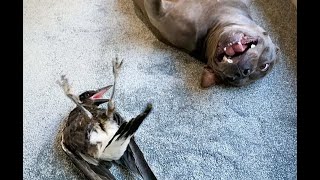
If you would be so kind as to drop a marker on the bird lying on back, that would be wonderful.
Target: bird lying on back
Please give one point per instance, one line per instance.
(96, 137)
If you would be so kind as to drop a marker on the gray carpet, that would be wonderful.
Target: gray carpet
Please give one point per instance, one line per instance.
(192, 133)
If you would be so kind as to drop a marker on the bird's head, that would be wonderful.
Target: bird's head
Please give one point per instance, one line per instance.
(94, 97)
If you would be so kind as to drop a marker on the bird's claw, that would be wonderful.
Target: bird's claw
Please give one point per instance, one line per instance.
(64, 84)
(116, 65)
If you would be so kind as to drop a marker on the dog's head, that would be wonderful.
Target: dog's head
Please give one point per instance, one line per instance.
(238, 55)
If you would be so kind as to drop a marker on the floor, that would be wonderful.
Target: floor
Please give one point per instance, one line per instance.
(192, 133)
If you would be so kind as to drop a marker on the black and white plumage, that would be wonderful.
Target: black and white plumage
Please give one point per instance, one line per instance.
(95, 137)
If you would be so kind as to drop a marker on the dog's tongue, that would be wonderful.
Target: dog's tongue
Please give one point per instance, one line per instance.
(235, 48)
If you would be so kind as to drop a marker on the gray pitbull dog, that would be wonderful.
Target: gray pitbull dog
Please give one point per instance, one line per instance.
(221, 33)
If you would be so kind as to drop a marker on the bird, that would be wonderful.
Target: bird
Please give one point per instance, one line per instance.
(95, 138)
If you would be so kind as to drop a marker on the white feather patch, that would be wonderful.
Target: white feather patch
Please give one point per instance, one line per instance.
(101, 138)
(116, 149)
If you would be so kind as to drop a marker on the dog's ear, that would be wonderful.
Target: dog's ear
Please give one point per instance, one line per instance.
(208, 77)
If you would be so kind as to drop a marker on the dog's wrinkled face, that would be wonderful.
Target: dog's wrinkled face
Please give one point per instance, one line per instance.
(242, 55)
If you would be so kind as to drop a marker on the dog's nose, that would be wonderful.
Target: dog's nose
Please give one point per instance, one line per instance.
(246, 72)
(239, 74)
(234, 77)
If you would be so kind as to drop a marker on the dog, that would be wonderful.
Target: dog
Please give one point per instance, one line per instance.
(221, 33)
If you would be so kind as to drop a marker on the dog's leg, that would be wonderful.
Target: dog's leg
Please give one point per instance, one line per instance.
(139, 9)
(154, 7)
(158, 8)
(143, 16)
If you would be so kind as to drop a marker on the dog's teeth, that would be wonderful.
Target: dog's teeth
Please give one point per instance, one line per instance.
(229, 60)
(252, 46)
(225, 48)
(225, 58)
(239, 43)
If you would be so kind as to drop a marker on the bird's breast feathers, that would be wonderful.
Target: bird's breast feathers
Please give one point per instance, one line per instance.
(101, 138)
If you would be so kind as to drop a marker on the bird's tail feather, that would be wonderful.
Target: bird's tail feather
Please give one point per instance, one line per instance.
(134, 160)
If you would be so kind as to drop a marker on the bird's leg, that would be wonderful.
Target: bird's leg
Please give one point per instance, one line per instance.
(64, 83)
(116, 68)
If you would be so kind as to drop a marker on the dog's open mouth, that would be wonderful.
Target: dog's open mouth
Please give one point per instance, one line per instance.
(227, 51)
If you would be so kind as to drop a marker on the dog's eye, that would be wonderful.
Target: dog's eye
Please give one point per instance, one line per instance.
(264, 67)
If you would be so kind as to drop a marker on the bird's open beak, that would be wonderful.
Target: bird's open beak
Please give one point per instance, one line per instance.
(97, 98)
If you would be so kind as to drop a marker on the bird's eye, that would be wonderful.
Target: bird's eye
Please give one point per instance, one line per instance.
(264, 67)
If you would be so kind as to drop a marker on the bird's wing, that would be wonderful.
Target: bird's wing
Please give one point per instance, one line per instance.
(133, 157)
(127, 129)
(92, 172)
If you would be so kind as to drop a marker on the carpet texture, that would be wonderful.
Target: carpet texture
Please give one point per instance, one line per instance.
(192, 133)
